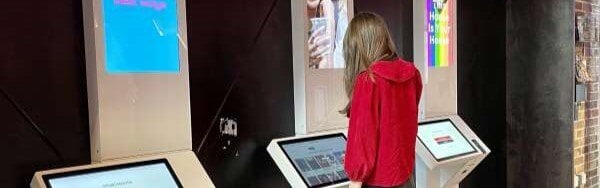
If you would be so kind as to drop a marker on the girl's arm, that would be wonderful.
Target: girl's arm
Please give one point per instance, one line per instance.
(419, 86)
(363, 132)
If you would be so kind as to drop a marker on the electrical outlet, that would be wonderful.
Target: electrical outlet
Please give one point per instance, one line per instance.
(228, 139)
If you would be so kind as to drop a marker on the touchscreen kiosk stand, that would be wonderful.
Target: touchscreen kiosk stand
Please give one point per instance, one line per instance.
(447, 151)
(315, 160)
(170, 170)
(138, 99)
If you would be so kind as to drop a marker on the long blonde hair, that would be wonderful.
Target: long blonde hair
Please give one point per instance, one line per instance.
(367, 41)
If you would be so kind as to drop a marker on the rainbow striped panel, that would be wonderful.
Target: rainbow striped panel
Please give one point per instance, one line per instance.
(439, 33)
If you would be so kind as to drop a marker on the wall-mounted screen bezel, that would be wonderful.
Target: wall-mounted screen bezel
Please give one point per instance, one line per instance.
(308, 139)
(49, 177)
(473, 149)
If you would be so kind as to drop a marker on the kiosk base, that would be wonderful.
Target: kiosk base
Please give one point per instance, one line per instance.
(425, 178)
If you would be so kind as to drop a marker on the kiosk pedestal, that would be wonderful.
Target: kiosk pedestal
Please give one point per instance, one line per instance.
(447, 151)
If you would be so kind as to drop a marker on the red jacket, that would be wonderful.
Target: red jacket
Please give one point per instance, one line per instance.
(383, 124)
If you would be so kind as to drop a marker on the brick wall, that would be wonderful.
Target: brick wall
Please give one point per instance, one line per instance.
(586, 124)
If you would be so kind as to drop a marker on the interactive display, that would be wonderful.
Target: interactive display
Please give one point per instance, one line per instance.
(141, 36)
(148, 174)
(319, 160)
(439, 33)
(443, 140)
(328, 21)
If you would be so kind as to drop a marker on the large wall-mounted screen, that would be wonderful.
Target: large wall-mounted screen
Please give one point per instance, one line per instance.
(155, 173)
(444, 140)
(318, 160)
(328, 21)
(141, 36)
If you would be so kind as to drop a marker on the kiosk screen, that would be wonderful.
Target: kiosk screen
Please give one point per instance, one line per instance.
(155, 173)
(444, 140)
(319, 160)
(141, 36)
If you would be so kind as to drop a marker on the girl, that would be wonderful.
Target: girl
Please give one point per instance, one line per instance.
(384, 93)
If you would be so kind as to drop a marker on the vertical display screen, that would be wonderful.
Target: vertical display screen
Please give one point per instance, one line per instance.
(319, 160)
(141, 36)
(440, 36)
(326, 28)
(444, 140)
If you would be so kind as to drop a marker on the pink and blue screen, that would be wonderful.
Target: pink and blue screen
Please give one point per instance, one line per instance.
(141, 36)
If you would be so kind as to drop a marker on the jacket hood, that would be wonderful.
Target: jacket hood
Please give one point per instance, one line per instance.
(396, 70)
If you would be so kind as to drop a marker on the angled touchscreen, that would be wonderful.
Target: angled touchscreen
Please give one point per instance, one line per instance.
(141, 36)
(149, 174)
(444, 140)
(319, 160)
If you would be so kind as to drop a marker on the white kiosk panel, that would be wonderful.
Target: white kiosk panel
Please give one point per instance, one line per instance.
(312, 160)
(137, 77)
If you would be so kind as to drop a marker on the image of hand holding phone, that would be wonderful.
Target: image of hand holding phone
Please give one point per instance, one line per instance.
(328, 20)
(319, 44)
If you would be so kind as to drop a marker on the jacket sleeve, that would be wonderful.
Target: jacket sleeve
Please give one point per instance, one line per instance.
(363, 131)
(418, 86)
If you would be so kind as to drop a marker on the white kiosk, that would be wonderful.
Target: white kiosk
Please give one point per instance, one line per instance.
(447, 151)
(315, 160)
(138, 99)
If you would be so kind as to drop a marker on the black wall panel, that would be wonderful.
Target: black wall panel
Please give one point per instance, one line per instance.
(399, 18)
(481, 83)
(42, 68)
(539, 89)
(241, 57)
